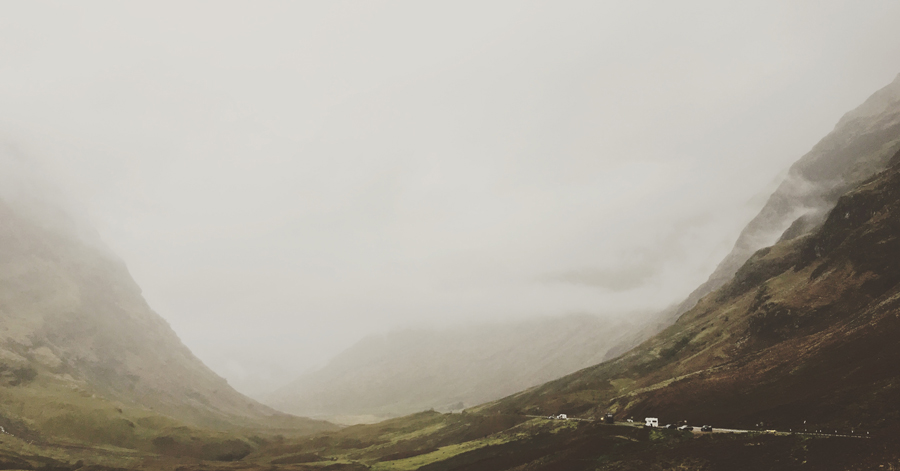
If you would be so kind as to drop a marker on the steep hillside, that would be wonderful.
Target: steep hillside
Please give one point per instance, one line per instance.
(410, 371)
(83, 356)
(858, 147)
(805, 331)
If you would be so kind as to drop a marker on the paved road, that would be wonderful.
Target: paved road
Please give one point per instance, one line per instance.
(697, 431)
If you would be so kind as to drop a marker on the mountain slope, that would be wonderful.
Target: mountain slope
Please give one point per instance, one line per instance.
(80, 349)
(858, 147)
(805, 331)
(410, 371)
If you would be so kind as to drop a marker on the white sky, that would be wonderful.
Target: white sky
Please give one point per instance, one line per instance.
(284, 178)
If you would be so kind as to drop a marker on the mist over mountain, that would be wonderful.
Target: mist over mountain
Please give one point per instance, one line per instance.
(861, 144)
(83, 356)
(795, 356)
(409, 371)
(804, 335)
(200, 202)
(803, 330)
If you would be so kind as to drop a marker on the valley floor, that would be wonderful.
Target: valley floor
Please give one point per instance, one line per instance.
(445, 442)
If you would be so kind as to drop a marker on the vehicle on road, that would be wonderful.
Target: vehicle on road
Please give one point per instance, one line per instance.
(651, 422)
(686, 428)
(706, 428)
(609, 419)
(671, 426)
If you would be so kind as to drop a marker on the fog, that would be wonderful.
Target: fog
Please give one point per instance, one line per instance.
(284, 178)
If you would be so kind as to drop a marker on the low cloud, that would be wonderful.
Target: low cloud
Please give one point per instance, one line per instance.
(616, 280)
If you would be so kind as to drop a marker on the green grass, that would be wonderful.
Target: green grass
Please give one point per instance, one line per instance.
(441, 454)
(521, 431)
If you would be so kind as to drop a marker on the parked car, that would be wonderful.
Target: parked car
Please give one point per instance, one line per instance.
(686, 428)
(671, 426)
(706, 428)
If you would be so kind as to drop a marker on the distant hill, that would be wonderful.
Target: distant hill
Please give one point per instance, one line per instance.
(83, 356)
(414, 370)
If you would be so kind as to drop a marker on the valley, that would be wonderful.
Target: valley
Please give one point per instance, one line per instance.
(431, 440)
(440, 239)
(801, 341)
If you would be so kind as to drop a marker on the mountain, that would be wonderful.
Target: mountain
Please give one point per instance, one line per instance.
(83, 357)
(859, 146)
(802, 339)
(798, 335)
(803, 336)
(409, 371)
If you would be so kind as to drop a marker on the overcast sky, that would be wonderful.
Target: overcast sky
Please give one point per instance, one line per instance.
(285, 178)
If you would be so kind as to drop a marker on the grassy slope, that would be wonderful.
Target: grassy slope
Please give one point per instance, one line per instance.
(860, 145)
(84, 360)
(807, 330)
(446, 442)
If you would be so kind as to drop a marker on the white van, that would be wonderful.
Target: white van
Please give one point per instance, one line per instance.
(651, 422)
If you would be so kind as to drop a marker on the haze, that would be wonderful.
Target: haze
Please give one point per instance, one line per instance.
(283, 179)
